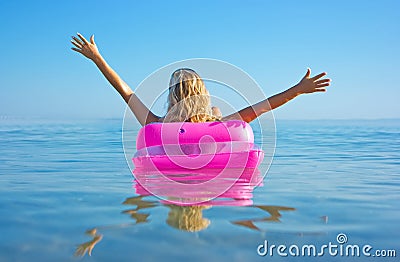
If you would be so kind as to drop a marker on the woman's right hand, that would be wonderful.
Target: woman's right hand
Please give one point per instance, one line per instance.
(86, 48)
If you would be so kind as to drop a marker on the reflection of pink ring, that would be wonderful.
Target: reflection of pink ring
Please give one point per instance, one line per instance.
(239, 193)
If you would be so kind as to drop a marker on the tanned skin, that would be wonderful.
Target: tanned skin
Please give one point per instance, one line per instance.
(306, 85)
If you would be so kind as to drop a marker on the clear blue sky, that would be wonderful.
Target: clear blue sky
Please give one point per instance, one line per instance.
(356, 42)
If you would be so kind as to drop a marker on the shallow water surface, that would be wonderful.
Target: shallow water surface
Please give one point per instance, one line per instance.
(66, 189)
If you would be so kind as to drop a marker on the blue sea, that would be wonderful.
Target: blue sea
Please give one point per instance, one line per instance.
(67, 194)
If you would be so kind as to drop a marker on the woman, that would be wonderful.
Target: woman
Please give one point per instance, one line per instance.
(188, 98)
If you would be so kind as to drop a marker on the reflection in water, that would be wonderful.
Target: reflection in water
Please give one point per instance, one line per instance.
(140, 204)
(274, 212)
(88, 246)
(186, 206)
(187, 218)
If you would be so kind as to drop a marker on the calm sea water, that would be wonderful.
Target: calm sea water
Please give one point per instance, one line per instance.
(66, 187)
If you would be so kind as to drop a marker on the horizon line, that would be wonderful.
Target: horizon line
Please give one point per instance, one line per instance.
(80, 118)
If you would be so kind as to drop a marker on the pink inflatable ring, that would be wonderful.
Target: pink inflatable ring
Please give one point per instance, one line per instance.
(185, 145)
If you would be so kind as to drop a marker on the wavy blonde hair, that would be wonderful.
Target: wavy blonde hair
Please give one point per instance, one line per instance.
(188, 98)
(187, 218)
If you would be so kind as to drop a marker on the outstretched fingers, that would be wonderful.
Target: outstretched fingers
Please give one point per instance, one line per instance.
(308, 73)
(323, 85)
(318, 76)
(76, 41)
(82, 38)
(76, 44)
(92, 40)
(82, 46)
(326, 80)
(317, 83)
(323, 82)
(76, 50)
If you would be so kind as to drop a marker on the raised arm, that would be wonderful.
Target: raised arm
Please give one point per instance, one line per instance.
(307, 85)
(90, 50)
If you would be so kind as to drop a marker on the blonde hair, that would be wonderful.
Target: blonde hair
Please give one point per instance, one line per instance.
(188, 98)
(187, 218)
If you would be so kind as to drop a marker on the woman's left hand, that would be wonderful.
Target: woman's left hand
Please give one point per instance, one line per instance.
(313, 84)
